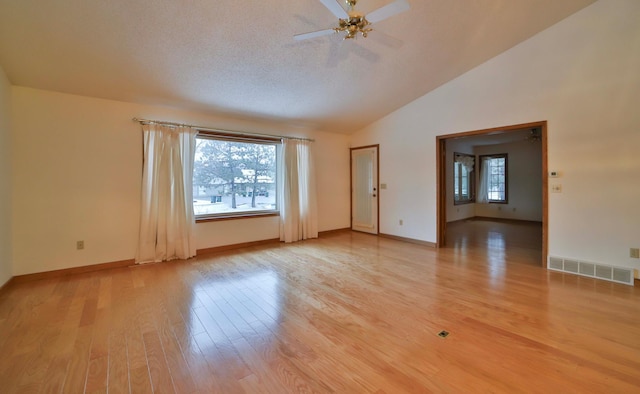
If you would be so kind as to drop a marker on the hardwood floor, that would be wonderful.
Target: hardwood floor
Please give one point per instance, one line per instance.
(347, 313)
(500, 240)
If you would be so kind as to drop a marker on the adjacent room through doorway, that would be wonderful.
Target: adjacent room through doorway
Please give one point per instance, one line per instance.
(493, 194)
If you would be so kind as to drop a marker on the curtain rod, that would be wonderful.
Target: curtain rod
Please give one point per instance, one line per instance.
(203, 128)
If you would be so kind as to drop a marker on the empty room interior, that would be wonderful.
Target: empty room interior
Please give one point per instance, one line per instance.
(512, 214)
(373, 196)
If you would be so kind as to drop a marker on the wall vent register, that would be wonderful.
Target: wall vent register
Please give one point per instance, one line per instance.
(592, 270)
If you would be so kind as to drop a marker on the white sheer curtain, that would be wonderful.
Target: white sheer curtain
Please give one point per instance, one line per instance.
(166, 218)
(298, 208)
(483, 186)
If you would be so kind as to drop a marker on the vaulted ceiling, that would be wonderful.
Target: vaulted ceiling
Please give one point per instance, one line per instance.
(239, 58)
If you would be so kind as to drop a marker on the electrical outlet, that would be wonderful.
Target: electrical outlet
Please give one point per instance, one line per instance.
(634, 253)
(556, 188)
(80, 245)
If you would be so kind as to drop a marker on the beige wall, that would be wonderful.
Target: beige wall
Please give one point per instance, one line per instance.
(581, 75)
(5, 180)
(77, 174)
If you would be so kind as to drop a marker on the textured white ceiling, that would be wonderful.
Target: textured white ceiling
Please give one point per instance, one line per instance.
(239, 57)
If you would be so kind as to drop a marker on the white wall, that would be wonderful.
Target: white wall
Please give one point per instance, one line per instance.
(77, 172)
(5, 180)
(581, 75)
(524, 172)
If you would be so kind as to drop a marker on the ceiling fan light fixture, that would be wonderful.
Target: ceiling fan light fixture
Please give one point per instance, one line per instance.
(353, 22)
(356, 23)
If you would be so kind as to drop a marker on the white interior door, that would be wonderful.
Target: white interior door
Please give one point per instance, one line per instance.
(364, 189)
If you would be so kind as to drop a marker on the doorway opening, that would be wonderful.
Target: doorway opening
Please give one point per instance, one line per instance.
(494, 203)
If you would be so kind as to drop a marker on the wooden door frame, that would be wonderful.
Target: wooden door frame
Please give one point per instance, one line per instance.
(441, 153)
(377, 146)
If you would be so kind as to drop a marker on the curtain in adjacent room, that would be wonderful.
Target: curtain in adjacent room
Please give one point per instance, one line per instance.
(166, 220)
(298, 208)
(483, 186)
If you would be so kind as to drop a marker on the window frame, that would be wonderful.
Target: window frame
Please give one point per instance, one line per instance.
(504, 156)
(250, 139)
(471, 184)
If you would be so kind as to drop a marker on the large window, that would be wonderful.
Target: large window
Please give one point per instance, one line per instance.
(494, 177)
(234, 176)
(463, 178)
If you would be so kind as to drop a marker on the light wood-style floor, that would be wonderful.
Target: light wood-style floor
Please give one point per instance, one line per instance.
(347, 313)
(498, 241)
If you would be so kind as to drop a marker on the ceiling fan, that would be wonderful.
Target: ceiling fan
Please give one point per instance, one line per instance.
(354, 22)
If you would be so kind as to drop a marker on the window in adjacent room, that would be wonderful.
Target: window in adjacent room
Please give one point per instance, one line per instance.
(463, 178)
(234, 176)
(493, 179)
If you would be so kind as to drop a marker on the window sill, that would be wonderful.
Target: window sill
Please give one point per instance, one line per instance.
(234, 216)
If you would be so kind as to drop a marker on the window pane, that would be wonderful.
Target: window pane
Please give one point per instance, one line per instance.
(456, 179)
(496, 187)
(233, 177)
(463, 177)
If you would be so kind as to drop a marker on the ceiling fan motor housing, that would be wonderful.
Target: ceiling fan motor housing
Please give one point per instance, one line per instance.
(356, 23)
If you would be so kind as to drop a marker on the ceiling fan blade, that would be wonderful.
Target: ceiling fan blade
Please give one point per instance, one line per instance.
(313, 34)
(335, 8)
(388, 11)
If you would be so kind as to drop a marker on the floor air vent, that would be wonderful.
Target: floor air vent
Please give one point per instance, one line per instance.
(592, 270)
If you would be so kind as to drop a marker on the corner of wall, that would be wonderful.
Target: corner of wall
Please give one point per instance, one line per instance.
(6, 250)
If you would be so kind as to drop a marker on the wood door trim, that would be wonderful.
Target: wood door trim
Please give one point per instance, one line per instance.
(377, 146)
(441, 194)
